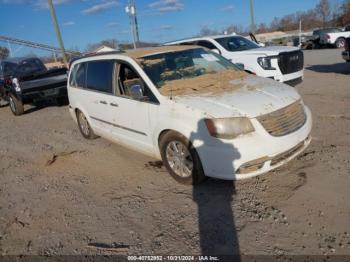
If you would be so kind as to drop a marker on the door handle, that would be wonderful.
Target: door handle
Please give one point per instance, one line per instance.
(114, 104)
(103, 102)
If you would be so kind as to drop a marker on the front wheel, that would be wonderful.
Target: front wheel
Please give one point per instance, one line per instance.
(340, 43)
(16, 105)
(84, 126)
(181, 159)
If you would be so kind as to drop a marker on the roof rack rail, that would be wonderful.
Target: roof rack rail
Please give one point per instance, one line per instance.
(96, 54)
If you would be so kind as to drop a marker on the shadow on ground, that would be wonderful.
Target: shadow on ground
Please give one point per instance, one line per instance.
(214, 198)
(47, 103)
(338, 68)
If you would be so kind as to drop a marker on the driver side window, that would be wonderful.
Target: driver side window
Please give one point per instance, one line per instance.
(131, 85)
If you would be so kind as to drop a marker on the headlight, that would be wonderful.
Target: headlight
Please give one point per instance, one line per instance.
(265, 63)
(16, 85)
(229, 128)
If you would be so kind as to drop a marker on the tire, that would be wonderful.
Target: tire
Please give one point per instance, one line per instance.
(16, 105)
(185, 167)
(84, 126)
(340, 43)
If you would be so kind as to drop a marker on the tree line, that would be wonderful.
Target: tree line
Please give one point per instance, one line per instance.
(326, 13)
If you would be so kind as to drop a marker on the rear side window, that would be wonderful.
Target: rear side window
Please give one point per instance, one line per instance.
(9, 69)
(78, 76)
(206, 44)
(236, 43)
(30, 66)
(99, 76)
(187, 43)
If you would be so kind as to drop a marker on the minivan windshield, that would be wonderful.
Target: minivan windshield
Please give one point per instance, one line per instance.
(236, 43)
(189, 70)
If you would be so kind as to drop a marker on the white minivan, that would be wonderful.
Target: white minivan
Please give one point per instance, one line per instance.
(281, 63)
(190, 107)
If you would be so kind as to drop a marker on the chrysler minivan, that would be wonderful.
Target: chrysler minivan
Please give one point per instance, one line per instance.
(190, 107)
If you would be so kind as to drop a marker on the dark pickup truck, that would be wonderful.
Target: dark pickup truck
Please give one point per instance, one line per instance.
(27, 80)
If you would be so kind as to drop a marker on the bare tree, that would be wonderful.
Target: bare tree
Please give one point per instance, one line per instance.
(234, 29)
(112, 43)
(346, 13)
(206, 31)
(4, 52)
(324, 9)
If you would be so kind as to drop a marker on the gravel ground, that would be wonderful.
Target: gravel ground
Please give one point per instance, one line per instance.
(61, 194)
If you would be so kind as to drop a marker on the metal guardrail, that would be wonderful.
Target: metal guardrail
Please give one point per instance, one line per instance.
(36, 45)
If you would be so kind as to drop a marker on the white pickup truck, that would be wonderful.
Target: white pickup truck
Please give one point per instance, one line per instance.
(281, 63)
(337, 38)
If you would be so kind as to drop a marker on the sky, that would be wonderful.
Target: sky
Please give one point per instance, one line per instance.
(90, 21)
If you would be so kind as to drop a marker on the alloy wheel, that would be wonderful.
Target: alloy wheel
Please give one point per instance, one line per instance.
(179, 159)
(84, 124)
(12, 104)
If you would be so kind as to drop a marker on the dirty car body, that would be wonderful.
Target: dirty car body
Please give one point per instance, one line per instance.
(239, 125)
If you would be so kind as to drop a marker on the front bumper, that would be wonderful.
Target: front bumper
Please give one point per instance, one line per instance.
(226, 158)
(290, 79)
(346, 55)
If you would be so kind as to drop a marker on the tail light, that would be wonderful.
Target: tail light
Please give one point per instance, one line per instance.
(8, 82)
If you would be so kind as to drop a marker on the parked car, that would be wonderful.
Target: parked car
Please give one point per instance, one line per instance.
(26, 80)
(314, 41)
(335, 38)
(281, 63)
(346, 52)
(190, 107)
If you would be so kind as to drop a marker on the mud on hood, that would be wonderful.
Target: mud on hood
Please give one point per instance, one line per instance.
(256, 96)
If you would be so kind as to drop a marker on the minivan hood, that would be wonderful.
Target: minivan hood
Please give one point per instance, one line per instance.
(256, 96)
(269, 50)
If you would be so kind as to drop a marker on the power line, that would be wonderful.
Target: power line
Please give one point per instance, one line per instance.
(17, 41)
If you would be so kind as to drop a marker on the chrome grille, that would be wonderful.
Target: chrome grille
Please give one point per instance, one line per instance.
(285, 120)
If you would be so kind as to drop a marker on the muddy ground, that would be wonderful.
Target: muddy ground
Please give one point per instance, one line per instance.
(61, 194)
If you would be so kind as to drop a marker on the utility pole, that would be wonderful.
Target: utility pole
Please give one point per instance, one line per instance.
(300, 33)
(58, 32)
(130, 9)
(10, 49)
(252, 20)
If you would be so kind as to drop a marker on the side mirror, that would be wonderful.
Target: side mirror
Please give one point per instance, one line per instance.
(136, 92)
(216, 51)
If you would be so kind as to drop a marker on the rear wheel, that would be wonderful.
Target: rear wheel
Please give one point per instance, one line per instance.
(340, 43)
(84, 126)
(16, 105)
(181, 159)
